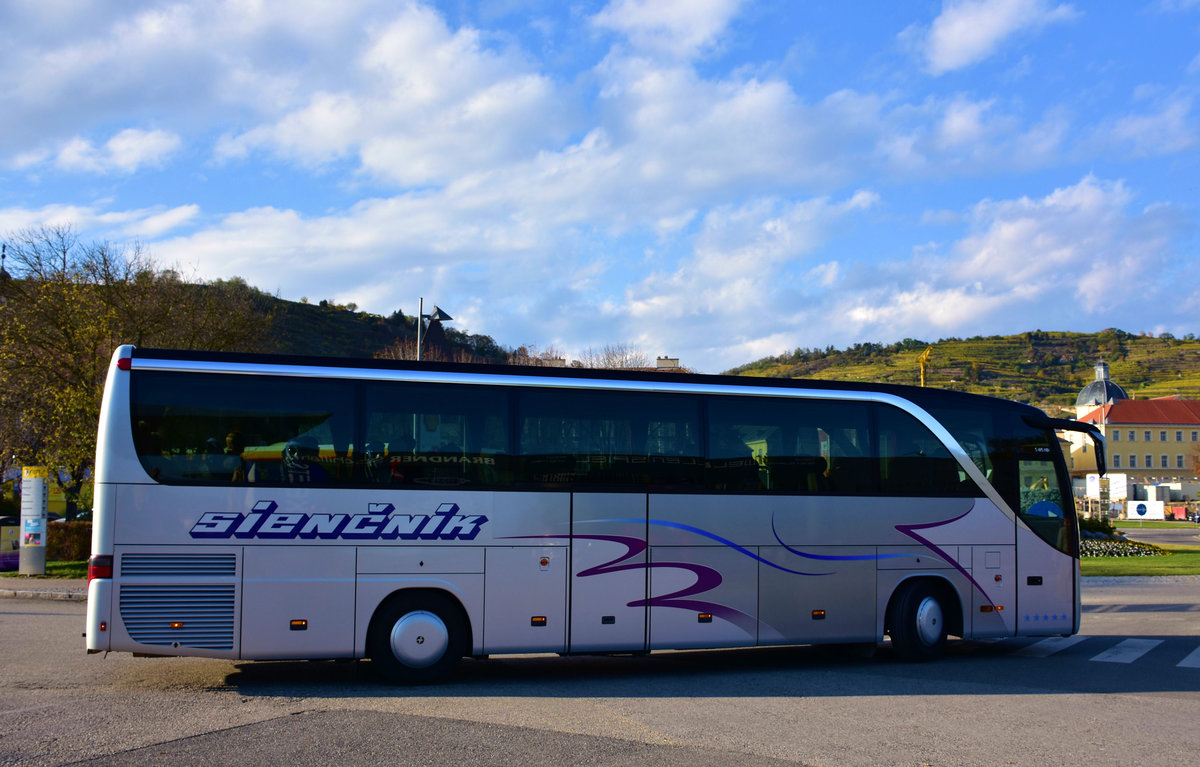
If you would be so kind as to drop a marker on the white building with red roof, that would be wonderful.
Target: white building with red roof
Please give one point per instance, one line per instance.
(1150, 440)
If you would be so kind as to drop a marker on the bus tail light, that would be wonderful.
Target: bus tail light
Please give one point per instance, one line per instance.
(124, 363)
(100, 566)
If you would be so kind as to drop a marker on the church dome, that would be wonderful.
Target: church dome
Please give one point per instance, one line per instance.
(1102, 391)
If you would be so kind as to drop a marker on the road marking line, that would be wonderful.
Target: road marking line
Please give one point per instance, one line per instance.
(1192, 660)
(1049, 646)
(1128, 651)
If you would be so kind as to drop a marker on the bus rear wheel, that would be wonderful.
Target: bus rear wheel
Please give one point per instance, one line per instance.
(917, 622)
(417, 638)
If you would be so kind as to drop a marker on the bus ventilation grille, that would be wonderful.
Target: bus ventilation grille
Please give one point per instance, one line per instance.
(187, 565)
(200, 616)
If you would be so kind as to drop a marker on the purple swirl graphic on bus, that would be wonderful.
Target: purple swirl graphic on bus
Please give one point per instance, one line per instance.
(910, 531)
(707, 578)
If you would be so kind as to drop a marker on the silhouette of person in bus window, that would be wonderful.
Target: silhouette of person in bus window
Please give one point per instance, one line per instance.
(375, 463)
(300, 462)
(401, 468)
(233, 465)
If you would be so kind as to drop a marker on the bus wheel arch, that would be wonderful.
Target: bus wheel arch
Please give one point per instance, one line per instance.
(922, 612)
(418, 636)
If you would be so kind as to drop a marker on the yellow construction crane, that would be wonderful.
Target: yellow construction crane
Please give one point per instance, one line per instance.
(923, 361)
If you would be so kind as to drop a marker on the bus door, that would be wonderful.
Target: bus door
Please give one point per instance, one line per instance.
(1046, 541)
(608, 572)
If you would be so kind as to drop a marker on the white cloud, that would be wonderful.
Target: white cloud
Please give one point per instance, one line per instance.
(732, 285)
(680, 28)
(962, 122)
(1171, 129)
(98, 221)
(969, 31)
(1072, 254)
(158, 224)
(421, 104)
(126, 152)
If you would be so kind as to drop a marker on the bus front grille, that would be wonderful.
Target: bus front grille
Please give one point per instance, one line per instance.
(191, 565)
(198, 616)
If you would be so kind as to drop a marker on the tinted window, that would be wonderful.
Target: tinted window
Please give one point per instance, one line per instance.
(436, 435)
(912, 461)
(775, 444)
(220, 428)
(608, 440)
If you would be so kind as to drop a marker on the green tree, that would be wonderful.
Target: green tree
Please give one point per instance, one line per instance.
(66, 307)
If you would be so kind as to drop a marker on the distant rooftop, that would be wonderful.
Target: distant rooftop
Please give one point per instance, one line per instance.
(1167, 410)
(1102, 391)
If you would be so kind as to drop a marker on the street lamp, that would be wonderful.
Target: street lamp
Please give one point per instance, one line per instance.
(438, 315)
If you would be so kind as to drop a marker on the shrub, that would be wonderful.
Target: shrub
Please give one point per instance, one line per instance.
(1097, 525)
(68, 541)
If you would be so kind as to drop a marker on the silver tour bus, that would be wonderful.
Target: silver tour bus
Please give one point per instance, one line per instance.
(267, 507)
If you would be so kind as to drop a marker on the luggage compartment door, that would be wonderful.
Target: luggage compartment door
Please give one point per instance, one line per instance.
(608, 572)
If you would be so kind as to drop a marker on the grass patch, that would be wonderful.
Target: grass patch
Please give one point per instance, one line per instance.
(1127, 524)
(55, 570)
(1184, 560)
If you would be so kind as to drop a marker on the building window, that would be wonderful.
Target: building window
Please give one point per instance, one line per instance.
(1116, 435)
(1162, 462)
(1162, 436)
(1146, 436)
(1179, 462)
(1116, 461)
(1149, 462)
(1179, 436)
(1132, 461)
(1132, 435)
(1195, 436)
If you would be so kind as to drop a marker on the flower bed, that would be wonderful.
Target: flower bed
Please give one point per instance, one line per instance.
(1119, 548)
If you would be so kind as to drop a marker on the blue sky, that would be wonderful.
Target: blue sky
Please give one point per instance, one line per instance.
(716, 180)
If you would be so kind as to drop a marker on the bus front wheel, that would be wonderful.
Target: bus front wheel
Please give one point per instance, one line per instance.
(417, 638)
(917, 622)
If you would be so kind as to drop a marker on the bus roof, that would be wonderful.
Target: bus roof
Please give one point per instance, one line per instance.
(916, 394)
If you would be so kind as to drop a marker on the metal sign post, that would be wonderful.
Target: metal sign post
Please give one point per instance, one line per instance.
(35, 505)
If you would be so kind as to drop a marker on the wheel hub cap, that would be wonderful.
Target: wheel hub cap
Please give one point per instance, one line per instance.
(419, 639)
(929, 621)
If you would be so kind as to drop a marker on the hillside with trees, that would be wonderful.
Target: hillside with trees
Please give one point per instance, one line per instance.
(1046, 368)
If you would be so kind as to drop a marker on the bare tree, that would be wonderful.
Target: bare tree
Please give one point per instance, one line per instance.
(614, 357)
(530, 356)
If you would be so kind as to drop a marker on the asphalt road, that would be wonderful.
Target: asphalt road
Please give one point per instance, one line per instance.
(1166, 536)
(1126, 691)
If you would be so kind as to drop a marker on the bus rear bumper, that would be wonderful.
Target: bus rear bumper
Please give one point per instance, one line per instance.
(99, 618)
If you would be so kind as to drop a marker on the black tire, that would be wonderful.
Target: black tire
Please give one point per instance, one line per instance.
(917, 621)
(417, 637)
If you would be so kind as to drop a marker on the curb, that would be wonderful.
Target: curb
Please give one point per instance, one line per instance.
(61, 589)
(62, 596)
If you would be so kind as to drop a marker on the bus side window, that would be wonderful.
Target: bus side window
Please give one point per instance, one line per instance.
(608, 440)
(913, 461)
(435, 435)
